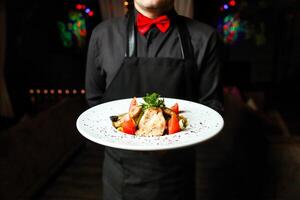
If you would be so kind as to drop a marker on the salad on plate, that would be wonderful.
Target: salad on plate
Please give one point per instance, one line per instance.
(151, 118)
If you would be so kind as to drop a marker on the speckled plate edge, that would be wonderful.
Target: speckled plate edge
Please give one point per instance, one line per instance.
(95, 125)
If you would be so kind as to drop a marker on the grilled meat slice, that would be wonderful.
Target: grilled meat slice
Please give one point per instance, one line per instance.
(152, 123)
(135, 111)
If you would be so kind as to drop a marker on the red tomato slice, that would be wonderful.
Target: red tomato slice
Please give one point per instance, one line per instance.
(129, 126)
(173, 124)
(175, 108)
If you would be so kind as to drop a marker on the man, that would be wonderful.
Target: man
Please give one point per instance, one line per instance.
(152, 50)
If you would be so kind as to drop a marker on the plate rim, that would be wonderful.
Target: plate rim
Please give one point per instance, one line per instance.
(150, 147)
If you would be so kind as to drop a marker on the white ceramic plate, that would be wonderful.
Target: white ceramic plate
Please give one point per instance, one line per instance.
(95, 125)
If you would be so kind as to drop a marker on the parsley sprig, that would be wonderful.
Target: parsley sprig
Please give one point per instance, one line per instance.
(152, 100)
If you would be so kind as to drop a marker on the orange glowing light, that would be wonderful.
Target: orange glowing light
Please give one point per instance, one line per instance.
(74, 91)
(45, 91)
(38, 91)
(67, 91)
(126, 3)
(31, 91)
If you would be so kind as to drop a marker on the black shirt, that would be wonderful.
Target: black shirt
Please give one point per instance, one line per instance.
(107, 49)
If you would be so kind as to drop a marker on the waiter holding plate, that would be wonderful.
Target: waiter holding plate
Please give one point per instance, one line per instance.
(152, 49)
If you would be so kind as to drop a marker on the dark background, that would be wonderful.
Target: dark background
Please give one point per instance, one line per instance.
(36, 57)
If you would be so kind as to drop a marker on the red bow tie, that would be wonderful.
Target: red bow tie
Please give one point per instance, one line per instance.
(145, 23)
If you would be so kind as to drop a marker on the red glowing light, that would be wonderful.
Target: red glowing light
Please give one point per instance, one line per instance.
(52, 91)
(59, 91)
(91, 13)
(74, 91)
(82, 91)
(45, 91)
(78, 6)
(232, 3)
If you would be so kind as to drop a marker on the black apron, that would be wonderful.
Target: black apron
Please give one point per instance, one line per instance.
(133, 175)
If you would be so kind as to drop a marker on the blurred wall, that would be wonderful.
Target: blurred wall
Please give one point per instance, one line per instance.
(5, 104)
(116, 8)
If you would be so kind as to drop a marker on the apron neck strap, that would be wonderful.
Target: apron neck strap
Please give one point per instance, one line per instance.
(183, 35)
(131, 35)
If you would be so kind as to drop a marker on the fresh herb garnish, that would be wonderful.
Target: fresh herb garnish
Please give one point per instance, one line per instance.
(152, 100)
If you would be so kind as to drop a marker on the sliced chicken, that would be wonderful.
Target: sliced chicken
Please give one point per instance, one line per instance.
(152, 123)
(135, 111)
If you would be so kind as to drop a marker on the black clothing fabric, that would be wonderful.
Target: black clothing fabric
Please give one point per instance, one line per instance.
(107, 48)
(161, 63)
(151, 176)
